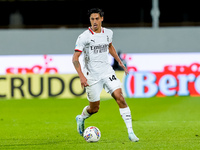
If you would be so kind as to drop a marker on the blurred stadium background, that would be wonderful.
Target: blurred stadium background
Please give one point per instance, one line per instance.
(158, 40)
(38, 37)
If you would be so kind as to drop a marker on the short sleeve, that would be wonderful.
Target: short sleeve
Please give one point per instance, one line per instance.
(80, 44)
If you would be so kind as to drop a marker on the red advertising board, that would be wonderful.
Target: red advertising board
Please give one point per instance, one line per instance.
(180, 78)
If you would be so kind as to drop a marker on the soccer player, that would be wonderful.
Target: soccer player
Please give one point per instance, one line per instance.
(96, 43)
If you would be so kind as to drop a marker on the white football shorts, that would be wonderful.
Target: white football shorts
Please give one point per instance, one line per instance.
(110, 84)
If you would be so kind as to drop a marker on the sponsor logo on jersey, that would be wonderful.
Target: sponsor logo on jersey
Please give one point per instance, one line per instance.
(99, 48)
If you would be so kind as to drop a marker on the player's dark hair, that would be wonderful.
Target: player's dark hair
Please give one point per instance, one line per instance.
(96, 10)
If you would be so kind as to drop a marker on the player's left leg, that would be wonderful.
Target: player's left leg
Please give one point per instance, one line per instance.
(113, 86)
(125, 113)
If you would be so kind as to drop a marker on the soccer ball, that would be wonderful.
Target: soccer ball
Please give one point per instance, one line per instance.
(92, 134)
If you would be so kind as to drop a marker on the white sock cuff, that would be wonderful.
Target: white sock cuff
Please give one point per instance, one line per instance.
(125, 110)
(85, 113)
(85, 110)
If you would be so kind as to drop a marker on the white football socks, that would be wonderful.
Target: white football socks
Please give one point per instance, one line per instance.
(85, 114)
(126, 115)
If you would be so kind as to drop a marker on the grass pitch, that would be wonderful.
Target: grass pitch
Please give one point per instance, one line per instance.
(160, 123)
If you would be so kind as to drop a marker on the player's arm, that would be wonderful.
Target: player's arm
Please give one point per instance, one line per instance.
(113, 52)
(77, 66)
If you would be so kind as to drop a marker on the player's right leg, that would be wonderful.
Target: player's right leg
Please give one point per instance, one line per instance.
(86, 113)
(93, 95)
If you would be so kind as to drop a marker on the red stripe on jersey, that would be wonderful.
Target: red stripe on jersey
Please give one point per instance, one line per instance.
(78, 50)
(91, 30)
(102, 30)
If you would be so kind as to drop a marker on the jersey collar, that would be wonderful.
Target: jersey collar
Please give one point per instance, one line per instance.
(90, 29)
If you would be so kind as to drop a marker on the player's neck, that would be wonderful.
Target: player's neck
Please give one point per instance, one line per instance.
(96, 31)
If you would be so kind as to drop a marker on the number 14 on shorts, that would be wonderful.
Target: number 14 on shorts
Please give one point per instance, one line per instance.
(112, 78)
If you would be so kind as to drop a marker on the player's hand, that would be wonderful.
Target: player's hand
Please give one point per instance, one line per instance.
(125, 69)
(83, 81)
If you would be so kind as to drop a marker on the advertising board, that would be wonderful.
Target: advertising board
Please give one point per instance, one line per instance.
(44, 86)
(166, 74)
(153, 74)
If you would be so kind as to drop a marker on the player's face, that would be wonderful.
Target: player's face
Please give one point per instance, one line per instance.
(95, 20)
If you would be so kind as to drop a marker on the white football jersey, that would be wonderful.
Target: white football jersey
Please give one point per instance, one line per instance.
(95, 49)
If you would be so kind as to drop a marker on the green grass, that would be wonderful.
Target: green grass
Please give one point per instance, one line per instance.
(160, 123)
